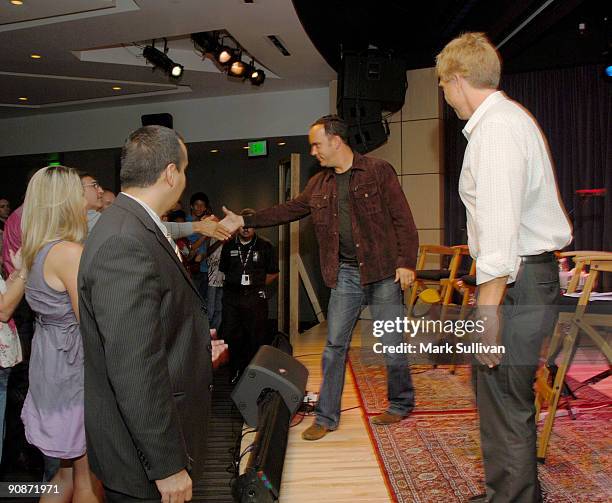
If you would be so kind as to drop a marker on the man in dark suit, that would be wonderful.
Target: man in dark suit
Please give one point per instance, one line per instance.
(148, 353)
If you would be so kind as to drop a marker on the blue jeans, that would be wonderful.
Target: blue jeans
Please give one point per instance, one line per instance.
(345, 303)
(215, 306)
(4, 376)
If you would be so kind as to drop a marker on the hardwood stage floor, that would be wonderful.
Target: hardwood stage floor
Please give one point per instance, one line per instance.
(343, 467)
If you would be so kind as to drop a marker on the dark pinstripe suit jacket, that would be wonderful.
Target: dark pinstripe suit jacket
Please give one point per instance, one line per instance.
(147, 354)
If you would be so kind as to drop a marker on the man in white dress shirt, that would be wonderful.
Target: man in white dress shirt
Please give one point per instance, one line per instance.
(515, 221)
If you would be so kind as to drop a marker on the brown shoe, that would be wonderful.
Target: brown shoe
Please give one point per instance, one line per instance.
(387, 418)
(315, 432)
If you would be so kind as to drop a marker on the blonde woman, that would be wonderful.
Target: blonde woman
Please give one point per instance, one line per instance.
(53, 227)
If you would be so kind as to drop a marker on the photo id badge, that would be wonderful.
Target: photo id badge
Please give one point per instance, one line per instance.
(246, 280)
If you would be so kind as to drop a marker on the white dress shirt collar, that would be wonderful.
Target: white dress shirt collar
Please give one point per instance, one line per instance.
(489, 101)
(151, 213)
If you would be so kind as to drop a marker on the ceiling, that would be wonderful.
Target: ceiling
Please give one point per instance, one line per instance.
(531, 34)
(87, 49)
(88, 46)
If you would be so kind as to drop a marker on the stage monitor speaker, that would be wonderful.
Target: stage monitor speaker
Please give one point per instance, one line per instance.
(157, 120)
(270, 369)
(373, 76)
(367, 129)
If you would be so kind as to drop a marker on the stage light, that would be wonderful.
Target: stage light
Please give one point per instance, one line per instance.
(238, 69)
(160, 60)
(176, 71)
(608, 71)
(23, 98)
(224, 55)
(208, 43)
(257, 77)
(17, 2)
(116, 88)
(35, 56)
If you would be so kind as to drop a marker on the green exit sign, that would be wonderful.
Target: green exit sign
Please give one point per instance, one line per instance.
(258, 148)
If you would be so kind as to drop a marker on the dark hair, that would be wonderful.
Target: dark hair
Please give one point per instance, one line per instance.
(146, 153)
(199, 196)
(333, 125)
(173, 215)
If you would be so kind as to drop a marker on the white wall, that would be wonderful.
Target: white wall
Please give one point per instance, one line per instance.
(285, 113)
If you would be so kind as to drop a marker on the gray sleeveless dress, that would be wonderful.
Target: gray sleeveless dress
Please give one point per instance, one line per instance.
(53, 410)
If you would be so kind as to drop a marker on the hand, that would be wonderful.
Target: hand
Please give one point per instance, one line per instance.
(175, 488)
(218, 347)
(405, 277)
(211, 228)
(232, 222)
(491, 335)
(16, 259)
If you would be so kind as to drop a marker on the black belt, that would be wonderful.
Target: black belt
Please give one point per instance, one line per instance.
(542, 258)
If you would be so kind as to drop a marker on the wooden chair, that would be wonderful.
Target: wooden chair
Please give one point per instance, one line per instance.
(442, 278)
(564, 344)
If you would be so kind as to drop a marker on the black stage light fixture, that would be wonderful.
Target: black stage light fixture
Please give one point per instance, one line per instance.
(160, 60)
(224, 55)
(257, 76)
(207, 42)
(238, 69)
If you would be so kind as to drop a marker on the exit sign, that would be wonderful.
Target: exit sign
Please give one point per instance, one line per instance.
(258, 148)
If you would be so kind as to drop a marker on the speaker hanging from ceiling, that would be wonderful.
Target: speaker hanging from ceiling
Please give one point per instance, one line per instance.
(370, 83)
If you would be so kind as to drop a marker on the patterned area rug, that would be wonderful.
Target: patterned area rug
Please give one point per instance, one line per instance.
(437, 390)
(436, 458)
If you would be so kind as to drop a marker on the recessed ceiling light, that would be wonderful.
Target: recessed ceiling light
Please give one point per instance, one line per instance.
(281, 143)
(35, 56)
(214, 150)
(116, 88)
(23, 98)
(17, 2)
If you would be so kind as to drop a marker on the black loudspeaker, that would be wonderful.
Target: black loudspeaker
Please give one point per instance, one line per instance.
(373, 76)
(368, 83)
(270, 369)
(367, 129)
(157, 120)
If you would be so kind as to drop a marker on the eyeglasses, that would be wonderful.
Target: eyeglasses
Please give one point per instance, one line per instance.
(95, 185)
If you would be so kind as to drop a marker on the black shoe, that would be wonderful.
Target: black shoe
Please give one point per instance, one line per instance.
(234, 378)
(481, 498)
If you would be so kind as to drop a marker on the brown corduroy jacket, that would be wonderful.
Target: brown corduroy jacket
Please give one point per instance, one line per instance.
(383, 228)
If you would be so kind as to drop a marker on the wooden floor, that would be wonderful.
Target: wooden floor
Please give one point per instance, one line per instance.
(342, 466)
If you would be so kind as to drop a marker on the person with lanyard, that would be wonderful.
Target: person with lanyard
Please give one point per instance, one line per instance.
(249, 263)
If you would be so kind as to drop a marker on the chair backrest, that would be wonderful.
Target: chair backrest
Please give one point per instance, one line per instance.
(442, 251)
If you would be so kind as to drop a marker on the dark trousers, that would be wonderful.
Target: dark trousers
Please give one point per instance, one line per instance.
(244, 325)
(17, 451)
(505, 394)
(200, 280)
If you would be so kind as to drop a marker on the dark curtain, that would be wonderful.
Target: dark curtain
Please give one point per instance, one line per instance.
(574, 109)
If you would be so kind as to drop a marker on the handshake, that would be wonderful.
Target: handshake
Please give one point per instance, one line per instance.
(221, 230)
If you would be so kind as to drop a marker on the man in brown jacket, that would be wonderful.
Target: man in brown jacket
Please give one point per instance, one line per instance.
(368, 246)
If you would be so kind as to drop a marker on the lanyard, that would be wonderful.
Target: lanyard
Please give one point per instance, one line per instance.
(245, 261)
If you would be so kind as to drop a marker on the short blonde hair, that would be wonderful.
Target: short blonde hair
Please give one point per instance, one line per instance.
(472, 56)
(54, 209)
